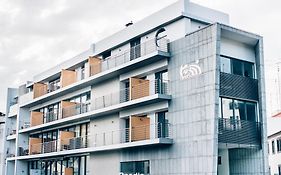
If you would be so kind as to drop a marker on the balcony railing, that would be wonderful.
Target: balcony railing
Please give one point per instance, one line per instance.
(148, 88)
(75, 110)
(129, 55)
(75, 143)
(239, 132)
(126, 135)
(41, 148)
(139, 133)
(51, 116)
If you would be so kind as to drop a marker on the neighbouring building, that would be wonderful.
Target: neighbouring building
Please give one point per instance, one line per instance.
(2, 136)
(179, 92)
(274, 144)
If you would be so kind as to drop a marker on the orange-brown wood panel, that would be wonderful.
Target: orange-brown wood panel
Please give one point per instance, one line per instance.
(39, 89)
(95, 65)
(67, 77)
(36, 118)
(140, 128)
(68, 171)
(35, 145)
(68, 108)
(65, 136)
(138, 88)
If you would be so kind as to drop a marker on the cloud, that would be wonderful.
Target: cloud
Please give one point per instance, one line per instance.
(38, 34)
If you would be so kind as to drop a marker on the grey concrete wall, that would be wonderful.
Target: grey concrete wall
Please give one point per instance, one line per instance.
(105, 163)
(191, 111)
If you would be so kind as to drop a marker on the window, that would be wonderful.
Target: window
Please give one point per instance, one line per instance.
(225, 65)
(136, 167)
(238, 110)
(279, 169)
(227, 108)
(163, 124)
(248, 70)
(135, 51)
(237, 67)
(273, 147)
(278, 144)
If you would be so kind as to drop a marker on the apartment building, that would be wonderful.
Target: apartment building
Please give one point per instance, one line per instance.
(179, 92)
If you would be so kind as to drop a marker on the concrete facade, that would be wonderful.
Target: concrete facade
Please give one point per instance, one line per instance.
(151, 104)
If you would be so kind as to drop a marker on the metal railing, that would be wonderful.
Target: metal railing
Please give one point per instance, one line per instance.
(129, 55)
(74, 143)
(42, 90)
(239, 131)
(41, 148)
(51, 116)
(24, 125)
(138, 133)
(150, 87)
(75, 110)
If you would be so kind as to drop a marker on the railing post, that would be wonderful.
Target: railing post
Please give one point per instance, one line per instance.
(104, 138)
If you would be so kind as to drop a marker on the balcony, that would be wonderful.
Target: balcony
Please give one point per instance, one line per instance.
(142, 92)
(142, 135)
(71, 108)
(98, 65)
(138, 89)
(100, 70)
(239, 132)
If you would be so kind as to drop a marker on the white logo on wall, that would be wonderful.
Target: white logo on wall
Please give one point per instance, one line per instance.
(189, 70)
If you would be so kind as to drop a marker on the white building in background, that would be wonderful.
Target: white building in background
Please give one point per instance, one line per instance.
(274, 144)
(2, 137)
(180, 92)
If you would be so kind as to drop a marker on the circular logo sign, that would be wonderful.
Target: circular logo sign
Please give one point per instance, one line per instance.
(189, 70)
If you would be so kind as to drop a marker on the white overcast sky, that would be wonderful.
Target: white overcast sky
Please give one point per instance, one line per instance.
(38, 34)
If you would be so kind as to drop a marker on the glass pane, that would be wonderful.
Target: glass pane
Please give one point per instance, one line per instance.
(225, 65)
(248, 70)
(251, 111)
(227, 108)
(240, 110)
(237, 67)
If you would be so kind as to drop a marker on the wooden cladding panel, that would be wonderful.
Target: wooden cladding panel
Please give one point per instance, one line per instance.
(39, 89)
(95, 65)
(68, 171)
(140, 128)
(36, 118)
(65, 136)
(138, 88)
(35, 146)
(68, 108)
(67, 77)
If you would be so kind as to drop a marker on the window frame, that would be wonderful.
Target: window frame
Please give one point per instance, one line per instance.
(243, 62)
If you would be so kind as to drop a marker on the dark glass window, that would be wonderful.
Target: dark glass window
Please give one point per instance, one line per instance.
(278, 144)
(163, 124)
(251, 111)
(136, 167)
(279, 169)
(135, 51)
(248, 70)
(237, 68)
(273, 147)
(238, 110)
